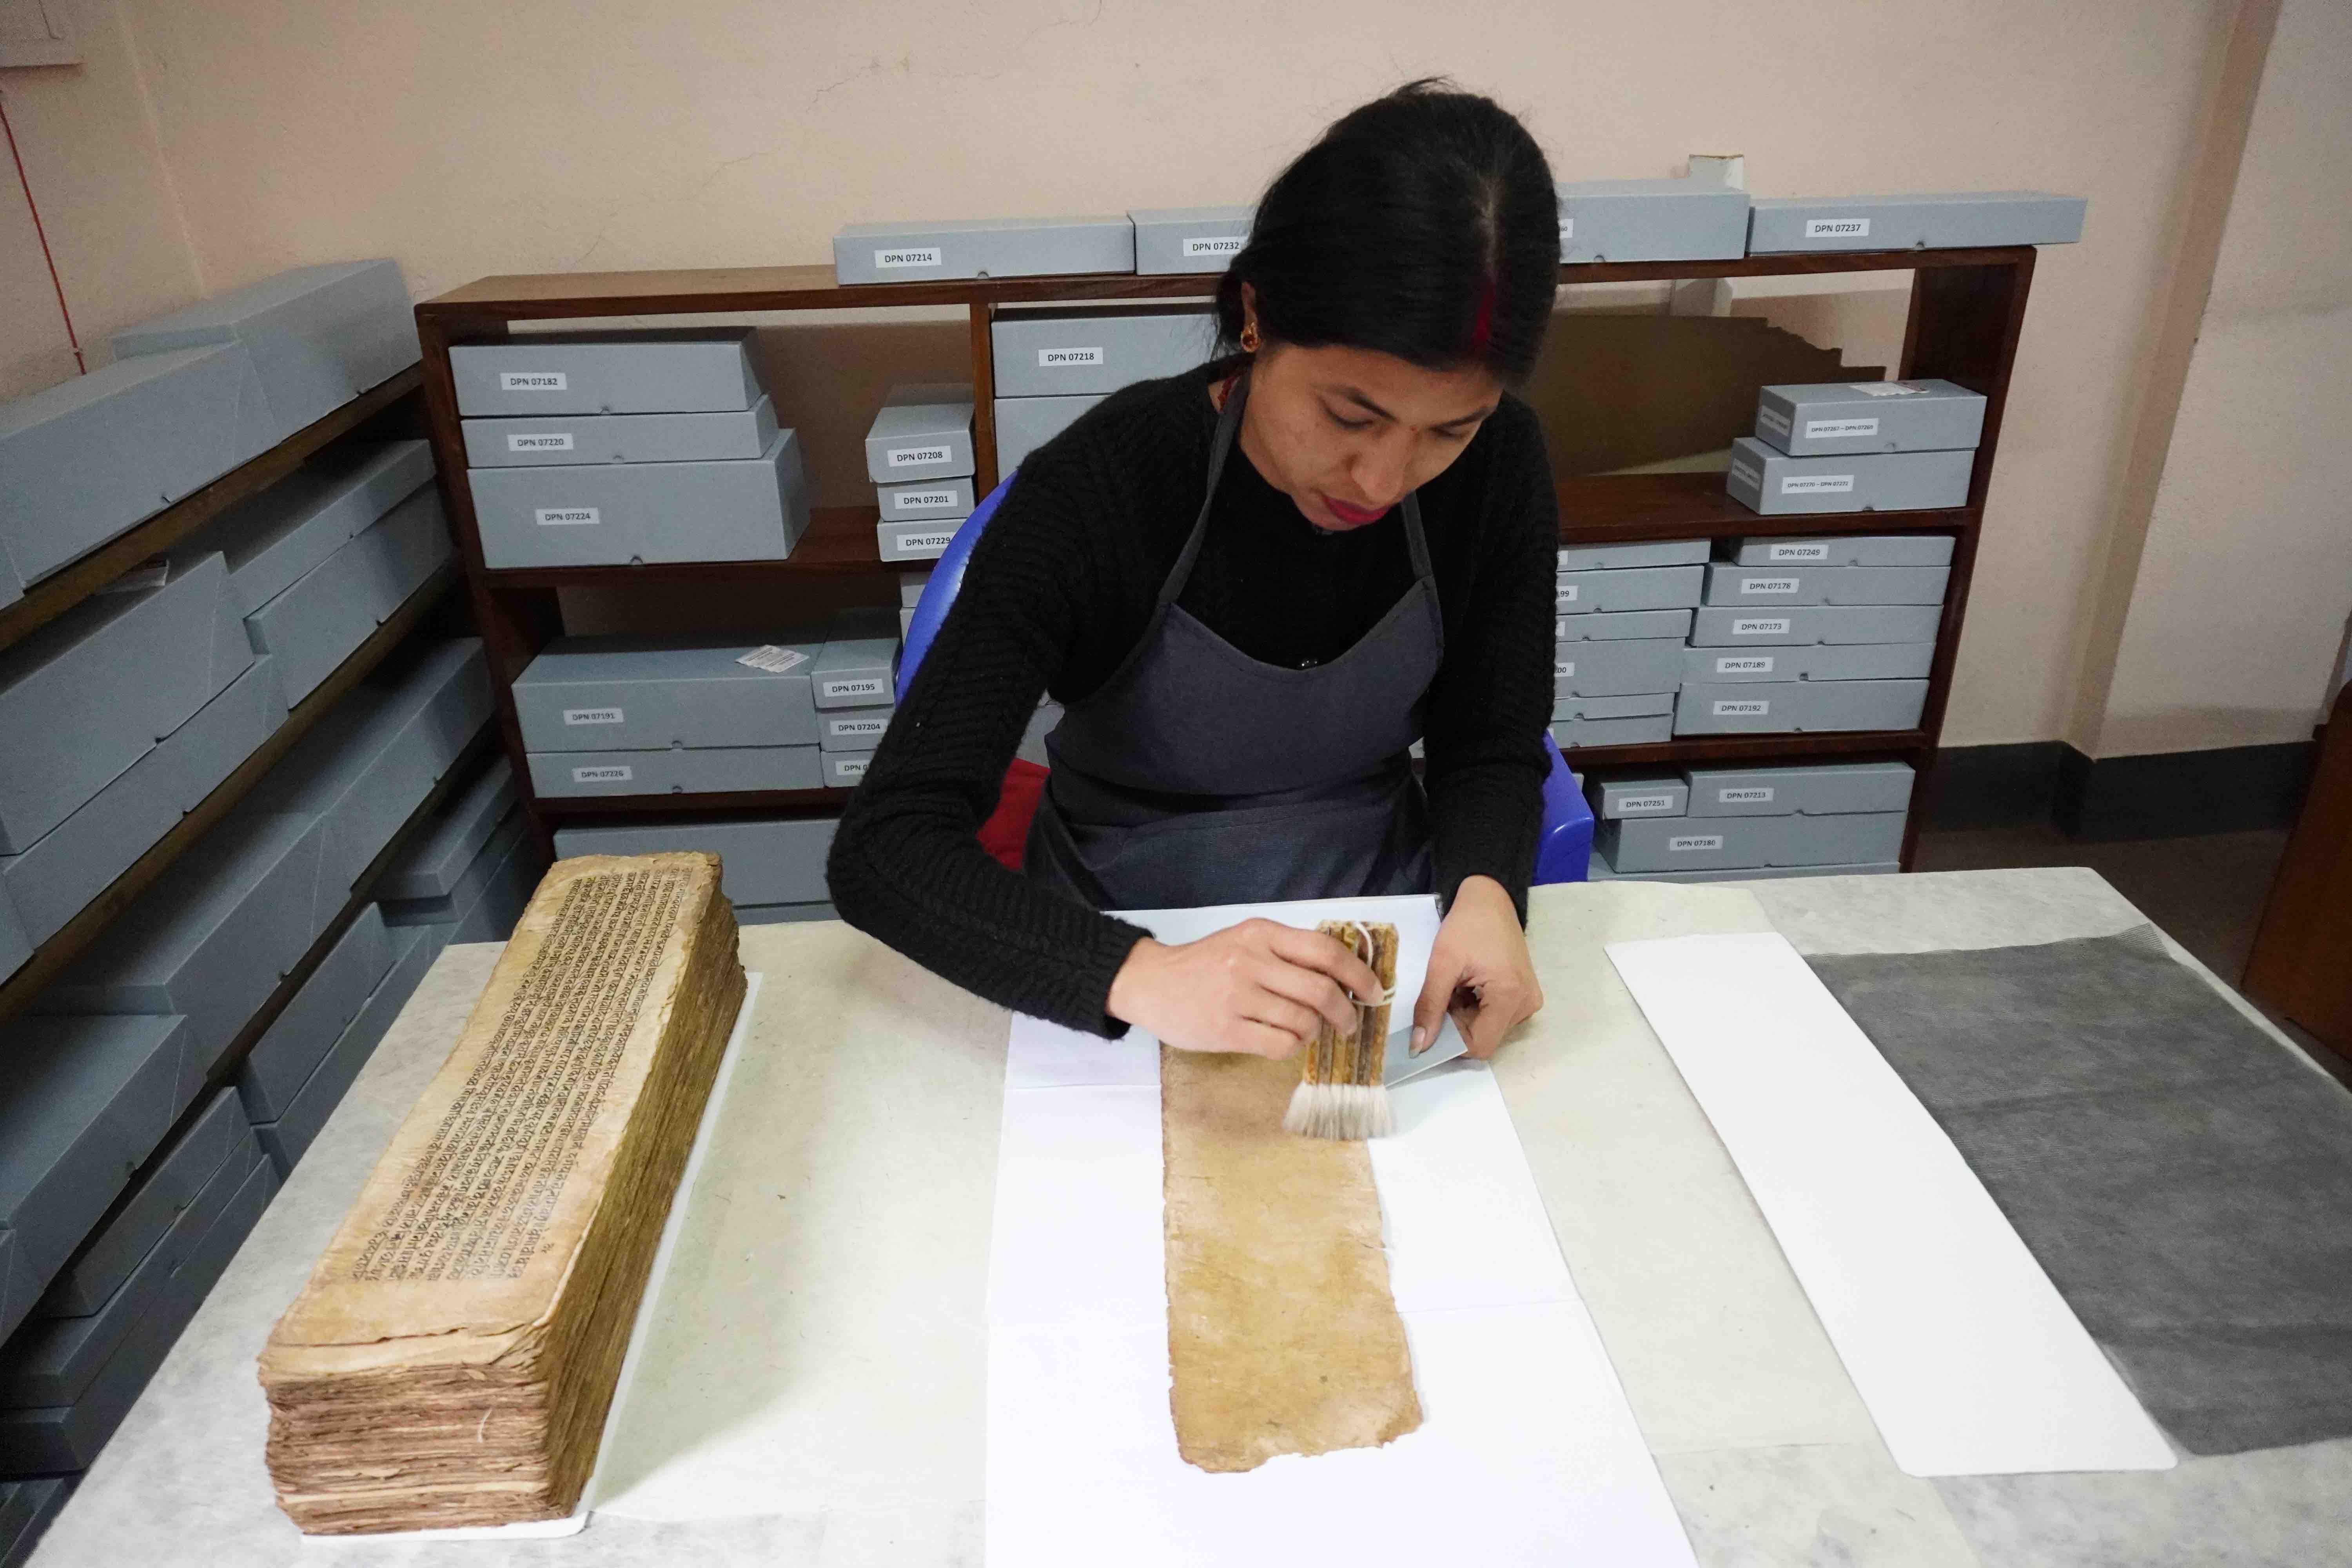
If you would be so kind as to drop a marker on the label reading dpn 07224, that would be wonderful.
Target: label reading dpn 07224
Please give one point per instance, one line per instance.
(1837, 227)
(917, 456)
(1068, 358)
(593, 716)
(568, 516)
(921, 256)
(533, 381)
(1215, 244)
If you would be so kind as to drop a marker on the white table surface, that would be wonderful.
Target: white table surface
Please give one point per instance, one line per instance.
(835, 1296)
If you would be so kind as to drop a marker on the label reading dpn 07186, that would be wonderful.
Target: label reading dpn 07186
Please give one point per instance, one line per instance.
(533, 381)
(1837, 227)
(1068, 358)
(569, 516)
(1760, 627)
(593, 716)
(540, 441)
(1684, 843)
(916, 457)
(1215, 244)
(923, 255)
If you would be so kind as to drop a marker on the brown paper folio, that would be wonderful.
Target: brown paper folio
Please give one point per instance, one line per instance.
(452, 1359)
(1282, 1335)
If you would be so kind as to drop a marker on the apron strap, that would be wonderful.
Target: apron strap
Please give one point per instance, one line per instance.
(1229, 425)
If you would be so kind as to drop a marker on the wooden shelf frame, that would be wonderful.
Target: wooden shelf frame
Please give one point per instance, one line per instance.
(69, 584)
(77, 936)
(1966, 308)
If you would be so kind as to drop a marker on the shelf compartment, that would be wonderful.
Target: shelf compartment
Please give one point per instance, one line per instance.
(839, 543)
(1603, 508)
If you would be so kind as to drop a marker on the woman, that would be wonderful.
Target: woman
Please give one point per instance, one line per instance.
(1251, 587)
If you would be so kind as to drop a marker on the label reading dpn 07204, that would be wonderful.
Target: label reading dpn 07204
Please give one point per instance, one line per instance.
(1813, 551)
(1215, 244)
(593, 716)
(533, 381)
(1816, 484)
(922, 255)
(842, 727)
(1837, 227)
(916, 457)
(568, 516)
(540, 441)
(1686, 843)
(1839, 429)
(1750, 795)
(1760, 627)
(1068, 358)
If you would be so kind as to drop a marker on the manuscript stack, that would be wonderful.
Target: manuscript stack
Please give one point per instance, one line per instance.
(452, 1359)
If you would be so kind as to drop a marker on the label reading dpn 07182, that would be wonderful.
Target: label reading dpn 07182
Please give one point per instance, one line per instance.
(1686, 843)
(922, 255)
(1215, 244)
(916, 457)
(1839, 429)
(1068, 358)
(540, 441)
(568, 516)
(1837, 227)
(533, 381)
(593, 716)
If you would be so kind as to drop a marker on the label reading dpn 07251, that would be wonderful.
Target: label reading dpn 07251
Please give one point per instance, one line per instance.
(1684, 843)
(1837, 227)
(540, 441)
(568, 516)
(593, 716)
(1760, 627)
(1839, 429)
(923, 255)
(916, 457)
(533, 381)
(1215, 244)
(1068, 358)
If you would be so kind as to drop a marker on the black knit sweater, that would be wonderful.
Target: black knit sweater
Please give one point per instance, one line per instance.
(1060, 589)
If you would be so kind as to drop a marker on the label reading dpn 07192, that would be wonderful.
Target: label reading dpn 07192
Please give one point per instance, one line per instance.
(1742, 708)
(1837, 227)
(540, 441)
(533, 381)
(922, 255)
(1215, 244)
(1068, 358)
(917, 456)
(593, 716)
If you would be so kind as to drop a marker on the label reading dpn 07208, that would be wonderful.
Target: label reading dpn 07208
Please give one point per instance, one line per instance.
(923, 255)
(1215, 244)
(533, 381)
(1068, 358)
(917, 456)
(569, 516)
(540, 441)
(1686, 843)
(1837, 227)
(593, 716)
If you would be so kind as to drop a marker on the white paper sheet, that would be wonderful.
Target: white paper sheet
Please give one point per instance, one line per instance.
(1526, 1454)
(1970, 1362)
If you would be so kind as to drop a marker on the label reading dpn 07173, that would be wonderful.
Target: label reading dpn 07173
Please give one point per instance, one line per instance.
(593, 716)
(1215, 244)
(1760, 627)
(923, 255)
(1068, 358)
(540, 441)
(917, 456)
(1837, 227)
(533, 381)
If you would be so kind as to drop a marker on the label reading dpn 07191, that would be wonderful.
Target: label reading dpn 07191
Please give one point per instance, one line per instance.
(545, 441)
(533, 381)
(1837, 227)
(1682, 844)
(1215, 244)
(924, 255)
(568, 516)
(1068, 358)
(593, 716)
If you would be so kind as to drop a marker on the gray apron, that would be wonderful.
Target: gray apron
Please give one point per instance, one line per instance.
(1199, 775)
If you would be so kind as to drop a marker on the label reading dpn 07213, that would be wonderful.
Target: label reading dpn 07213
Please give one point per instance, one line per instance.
(568, 516)
(540, 441)
(916, 457)
(593, 716)
(1215, 244)
(922, 255)
(1750, 795)
(1686, 843)
(1837, 227)
(533, 381)
(1068, 358)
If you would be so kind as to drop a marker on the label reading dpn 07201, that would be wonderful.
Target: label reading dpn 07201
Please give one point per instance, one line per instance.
(1839, 429)
(919, 500)
(1750, 795)
(1686, 843)
(568, 516)
(540, 441)
(533, 381)
(1068, 358)
(1837, 227)
(1215, 244)
(849, 767)
(916, 457)
(593, 716)
(1815, 550)
(922, 255)
(1760, 627)
(1816, 484)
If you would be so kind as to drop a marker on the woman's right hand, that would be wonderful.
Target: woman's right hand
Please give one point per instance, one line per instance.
(1261, 987)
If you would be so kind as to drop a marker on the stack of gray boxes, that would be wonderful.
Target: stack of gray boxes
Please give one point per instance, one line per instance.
(190, 395)
(855, 687)
(1054, 363)
(1622, 618)
(1863, 445)
(1652, 220)
(687, 715)
(1725, 824)
(470, 871)
(982, 248)
(1948, 220)
(919, 453)
(613, 449)
(1171, 241)
(1815, 634)
(910, 594)
(770, 869)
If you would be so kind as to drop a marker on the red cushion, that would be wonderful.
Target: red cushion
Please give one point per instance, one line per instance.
(1006, 832)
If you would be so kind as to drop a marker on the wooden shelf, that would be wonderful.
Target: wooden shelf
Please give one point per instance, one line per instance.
(61, 590)
(1691, 751)
(572, 808)
(1607, 507)
(53, 957)
(839, 543)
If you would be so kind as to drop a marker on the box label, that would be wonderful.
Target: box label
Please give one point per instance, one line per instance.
(916, 457)
(1563, 668)
(545, 441)
(1816, 484)
(569, 516)
(1742, 708)
(1568, 229)
(1771, 585)
(1760, 627)
(1837, 227)
(774, 659)
(849, 767)
(1682, 844)
(1626, 803)
(1571, 594)
(859, 726)
(861, 685)
(1746, 474)
(1839, 429)
(533, 381)
(1815, 550)
(1744, 664)
(922, 255)
(1215, 244)
(925, 540)
(602, 775)
(1067, 359)
(1754, 795)
(1772, 419)
(592, 716)
(1886, 389)
(911, 501)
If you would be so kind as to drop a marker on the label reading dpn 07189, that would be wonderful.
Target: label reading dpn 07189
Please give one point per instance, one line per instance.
(533, 381)
(540, 441)
(1684, 843)
(1837, 227)
(1068, 358)
(1215, 244)
(923, 255)
(1744, 664)
(916, 457)
(593, 716)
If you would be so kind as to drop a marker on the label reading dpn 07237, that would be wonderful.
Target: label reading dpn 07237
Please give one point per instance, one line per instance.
(922, 255)
(917, 456)
(1068, 358)
(1837, 227)
(1215, 244)
(533, 381)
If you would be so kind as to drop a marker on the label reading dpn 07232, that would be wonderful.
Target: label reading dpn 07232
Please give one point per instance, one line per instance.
(917, 456)
(533, 381)
(1215, 244)
(1068, 358)
(1837, 227)
(920, 255)
(593, 716)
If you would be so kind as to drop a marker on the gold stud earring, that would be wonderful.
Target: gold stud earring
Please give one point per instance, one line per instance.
(1249, 338)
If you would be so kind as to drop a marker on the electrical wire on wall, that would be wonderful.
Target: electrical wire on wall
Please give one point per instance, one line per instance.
(42, 235)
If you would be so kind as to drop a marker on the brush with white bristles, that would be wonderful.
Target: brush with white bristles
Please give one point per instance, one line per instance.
(1340, 1093)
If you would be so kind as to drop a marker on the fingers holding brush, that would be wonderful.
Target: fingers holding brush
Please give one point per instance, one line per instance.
(1260, 987)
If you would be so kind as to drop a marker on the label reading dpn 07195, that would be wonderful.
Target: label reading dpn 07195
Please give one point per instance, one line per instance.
(849, 767)
(922, 255)
(916, 457)
(568, 516)
(861, 685)
(533, 381)
(541, 441)
(1837, 227)
(593, 716)
(1686, 843)
(1215, 244)
(1068, 358)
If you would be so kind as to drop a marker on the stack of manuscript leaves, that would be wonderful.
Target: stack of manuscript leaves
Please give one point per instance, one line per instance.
(452, 1359)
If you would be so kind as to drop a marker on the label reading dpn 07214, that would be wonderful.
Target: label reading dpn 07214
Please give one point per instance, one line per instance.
(1068, 358)
(533, 381)
(1837, 227)
(1215, 244)
(568, 516)
(593, 716)
(923, 255)
(916, 457)
(540, 441)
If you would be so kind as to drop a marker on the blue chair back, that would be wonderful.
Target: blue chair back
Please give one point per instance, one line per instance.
(1563, 847)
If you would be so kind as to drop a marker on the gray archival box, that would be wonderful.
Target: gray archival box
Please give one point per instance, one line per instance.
(1772, 708)
(609, 514)
(621, 438)
(1652, 220)
(693, 370)
(1650, 553)
(698, 770)
(1723, 626)
(1025, 423)
(1608, 625)
(859, 665)
(926, 500)
(1638, 798)
(1953, 220)
(1830, 419)
(922, 431)
(1728, 583)
(272, 539)
(1845, 550)
(315, 625)
(1617, 667)
(982, 248)
(1570, 733)
(916, 540)
(1058, 351)
(1626, 588)
(1817, 661)
(1174, 240)
(636, 693)
(778, 860)
(1768, 481)
(1814, 789)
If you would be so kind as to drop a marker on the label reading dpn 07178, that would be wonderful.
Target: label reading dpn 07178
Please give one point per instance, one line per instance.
(1215, 244)
(1837, 227)
(533, 381)
(916, 457)
(924, 255)
(1067, 359)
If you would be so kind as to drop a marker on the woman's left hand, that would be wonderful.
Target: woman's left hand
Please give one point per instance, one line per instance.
(1479, 970)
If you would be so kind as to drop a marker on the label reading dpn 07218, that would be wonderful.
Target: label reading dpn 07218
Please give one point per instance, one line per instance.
(916, 457)
(533, 381)
(1068, 358)
(1215, 244)
(1686, 843)
(593, 716)
(568, 516)
(1837, 227)
(922, 255)
(540, 441)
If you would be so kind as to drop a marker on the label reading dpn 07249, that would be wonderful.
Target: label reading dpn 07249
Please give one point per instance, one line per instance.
(1686, 843)
(1215, 244)
(1068, 358)
(923, 255)
(1814, 551)
(593, 716)
(540, 441)
(568, 516)
(1837, 227)
(533, 381)
(916, 457)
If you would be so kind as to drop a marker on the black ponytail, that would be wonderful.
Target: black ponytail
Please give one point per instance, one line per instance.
(1423, 224)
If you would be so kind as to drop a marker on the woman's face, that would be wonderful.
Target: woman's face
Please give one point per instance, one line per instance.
(1345, 433)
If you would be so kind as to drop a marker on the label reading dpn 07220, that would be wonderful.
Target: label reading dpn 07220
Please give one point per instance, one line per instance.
(917, 456)
(1837, 227)
(920, 255)
(533, 381)
(1068, 358)
(1215, 244)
